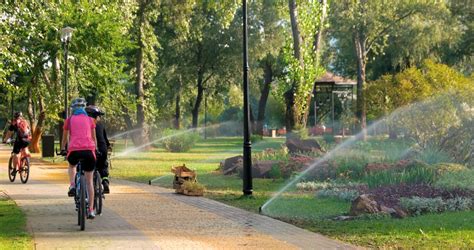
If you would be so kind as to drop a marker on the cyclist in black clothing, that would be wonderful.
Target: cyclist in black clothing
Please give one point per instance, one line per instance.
(102, 145)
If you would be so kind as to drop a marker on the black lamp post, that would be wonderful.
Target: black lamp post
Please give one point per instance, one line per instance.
(66, 35)
(247, 174)
(205, 114)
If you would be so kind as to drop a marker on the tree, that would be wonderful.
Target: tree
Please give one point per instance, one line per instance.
(302, 58)
(362, 28)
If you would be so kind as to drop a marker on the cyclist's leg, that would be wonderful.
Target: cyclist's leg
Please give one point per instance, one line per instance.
(88, 165)
(17, 146)
(102, 168)
(73, 159)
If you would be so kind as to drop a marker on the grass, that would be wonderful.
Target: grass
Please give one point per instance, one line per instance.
(13, 233)
(446, 230)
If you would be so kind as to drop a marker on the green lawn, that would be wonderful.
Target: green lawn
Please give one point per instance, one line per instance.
(447, 230)
(13, 234)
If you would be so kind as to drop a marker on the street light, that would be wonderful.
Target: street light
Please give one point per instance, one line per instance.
(66, 35)
(247, 173)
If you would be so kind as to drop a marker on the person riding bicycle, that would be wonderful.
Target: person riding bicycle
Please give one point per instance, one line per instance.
(79, 129)
(102, 144)
(23, 137)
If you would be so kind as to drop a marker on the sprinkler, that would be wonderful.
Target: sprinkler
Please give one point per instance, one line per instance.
(149, 182)
(260, 211)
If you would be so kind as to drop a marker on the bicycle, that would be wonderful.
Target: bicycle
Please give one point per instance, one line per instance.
(23, 169)
(81, 196)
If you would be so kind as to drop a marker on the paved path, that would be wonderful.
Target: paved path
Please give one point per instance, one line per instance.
(138, 216)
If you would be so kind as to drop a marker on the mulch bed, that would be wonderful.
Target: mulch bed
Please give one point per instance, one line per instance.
(390, 195)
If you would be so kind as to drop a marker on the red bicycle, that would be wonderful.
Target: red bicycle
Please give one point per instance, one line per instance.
(23, 167)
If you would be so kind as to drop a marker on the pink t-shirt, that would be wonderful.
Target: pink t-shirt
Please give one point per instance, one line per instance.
(80, 137)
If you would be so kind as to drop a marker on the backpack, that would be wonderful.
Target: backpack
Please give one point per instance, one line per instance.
(24, 131)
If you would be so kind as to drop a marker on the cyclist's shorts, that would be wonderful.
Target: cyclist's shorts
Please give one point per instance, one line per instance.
(86, 157)
(19, 145)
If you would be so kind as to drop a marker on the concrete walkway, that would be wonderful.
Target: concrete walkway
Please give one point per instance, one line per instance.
(138, 216)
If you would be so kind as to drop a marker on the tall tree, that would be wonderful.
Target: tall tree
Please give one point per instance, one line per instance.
(363, 27)
(307, 19)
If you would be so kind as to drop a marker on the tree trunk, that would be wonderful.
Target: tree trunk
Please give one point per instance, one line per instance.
(262, 103)
(290, 114)
(297, 39)
(38, 131)
(359, 42)
(140, 79)
(197, 103)
(177, 113)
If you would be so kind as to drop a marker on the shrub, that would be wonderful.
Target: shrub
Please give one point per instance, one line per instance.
(275, 172)
(417, 205)
(457, 179)
(432, 156)
(329, 138)
(444, 168)
(340, 193)
(270, 154)
(414, 174)
(179, 141)
(256, 138)
(351, 166)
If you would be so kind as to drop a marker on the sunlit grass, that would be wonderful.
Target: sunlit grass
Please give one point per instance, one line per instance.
(13, 233)
(445, 231)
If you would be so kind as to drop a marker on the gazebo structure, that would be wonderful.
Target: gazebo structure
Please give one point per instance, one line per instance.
(325, 88)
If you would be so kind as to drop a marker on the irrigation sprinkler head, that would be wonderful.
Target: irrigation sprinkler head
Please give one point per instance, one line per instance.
(260, 211)
(149, 182)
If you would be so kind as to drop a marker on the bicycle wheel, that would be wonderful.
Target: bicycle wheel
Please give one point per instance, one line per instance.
(82, 203)
(10, 170)
(98, 193)
(25, 170)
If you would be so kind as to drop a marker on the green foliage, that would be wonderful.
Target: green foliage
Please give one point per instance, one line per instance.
(456, 179)
(13, 233)
(351, 165)
(339, 193)
(179, 141)
(256, 138)
(418, 205)
(275, 172)
(272, 155)
(329, 138)
(415, 174)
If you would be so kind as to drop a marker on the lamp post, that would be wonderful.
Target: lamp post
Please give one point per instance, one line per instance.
(247, 173)
(66, 35)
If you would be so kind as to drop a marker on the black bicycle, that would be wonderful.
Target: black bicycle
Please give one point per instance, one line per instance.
(81, 198)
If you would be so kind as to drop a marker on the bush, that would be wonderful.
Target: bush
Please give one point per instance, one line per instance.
(351, 166)
(329, 138)
(413, 174)
(457, 179)
(417, 205)
(339, 193)
(179, 141)
(270, 154)
(432, 156)
(444, 168)
(256, 138)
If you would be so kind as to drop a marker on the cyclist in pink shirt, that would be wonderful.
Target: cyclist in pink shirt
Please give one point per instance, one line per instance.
(79, 128)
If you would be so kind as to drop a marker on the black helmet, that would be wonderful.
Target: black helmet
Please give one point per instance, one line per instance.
(17, 114)
(78, 103)
(94, 111)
